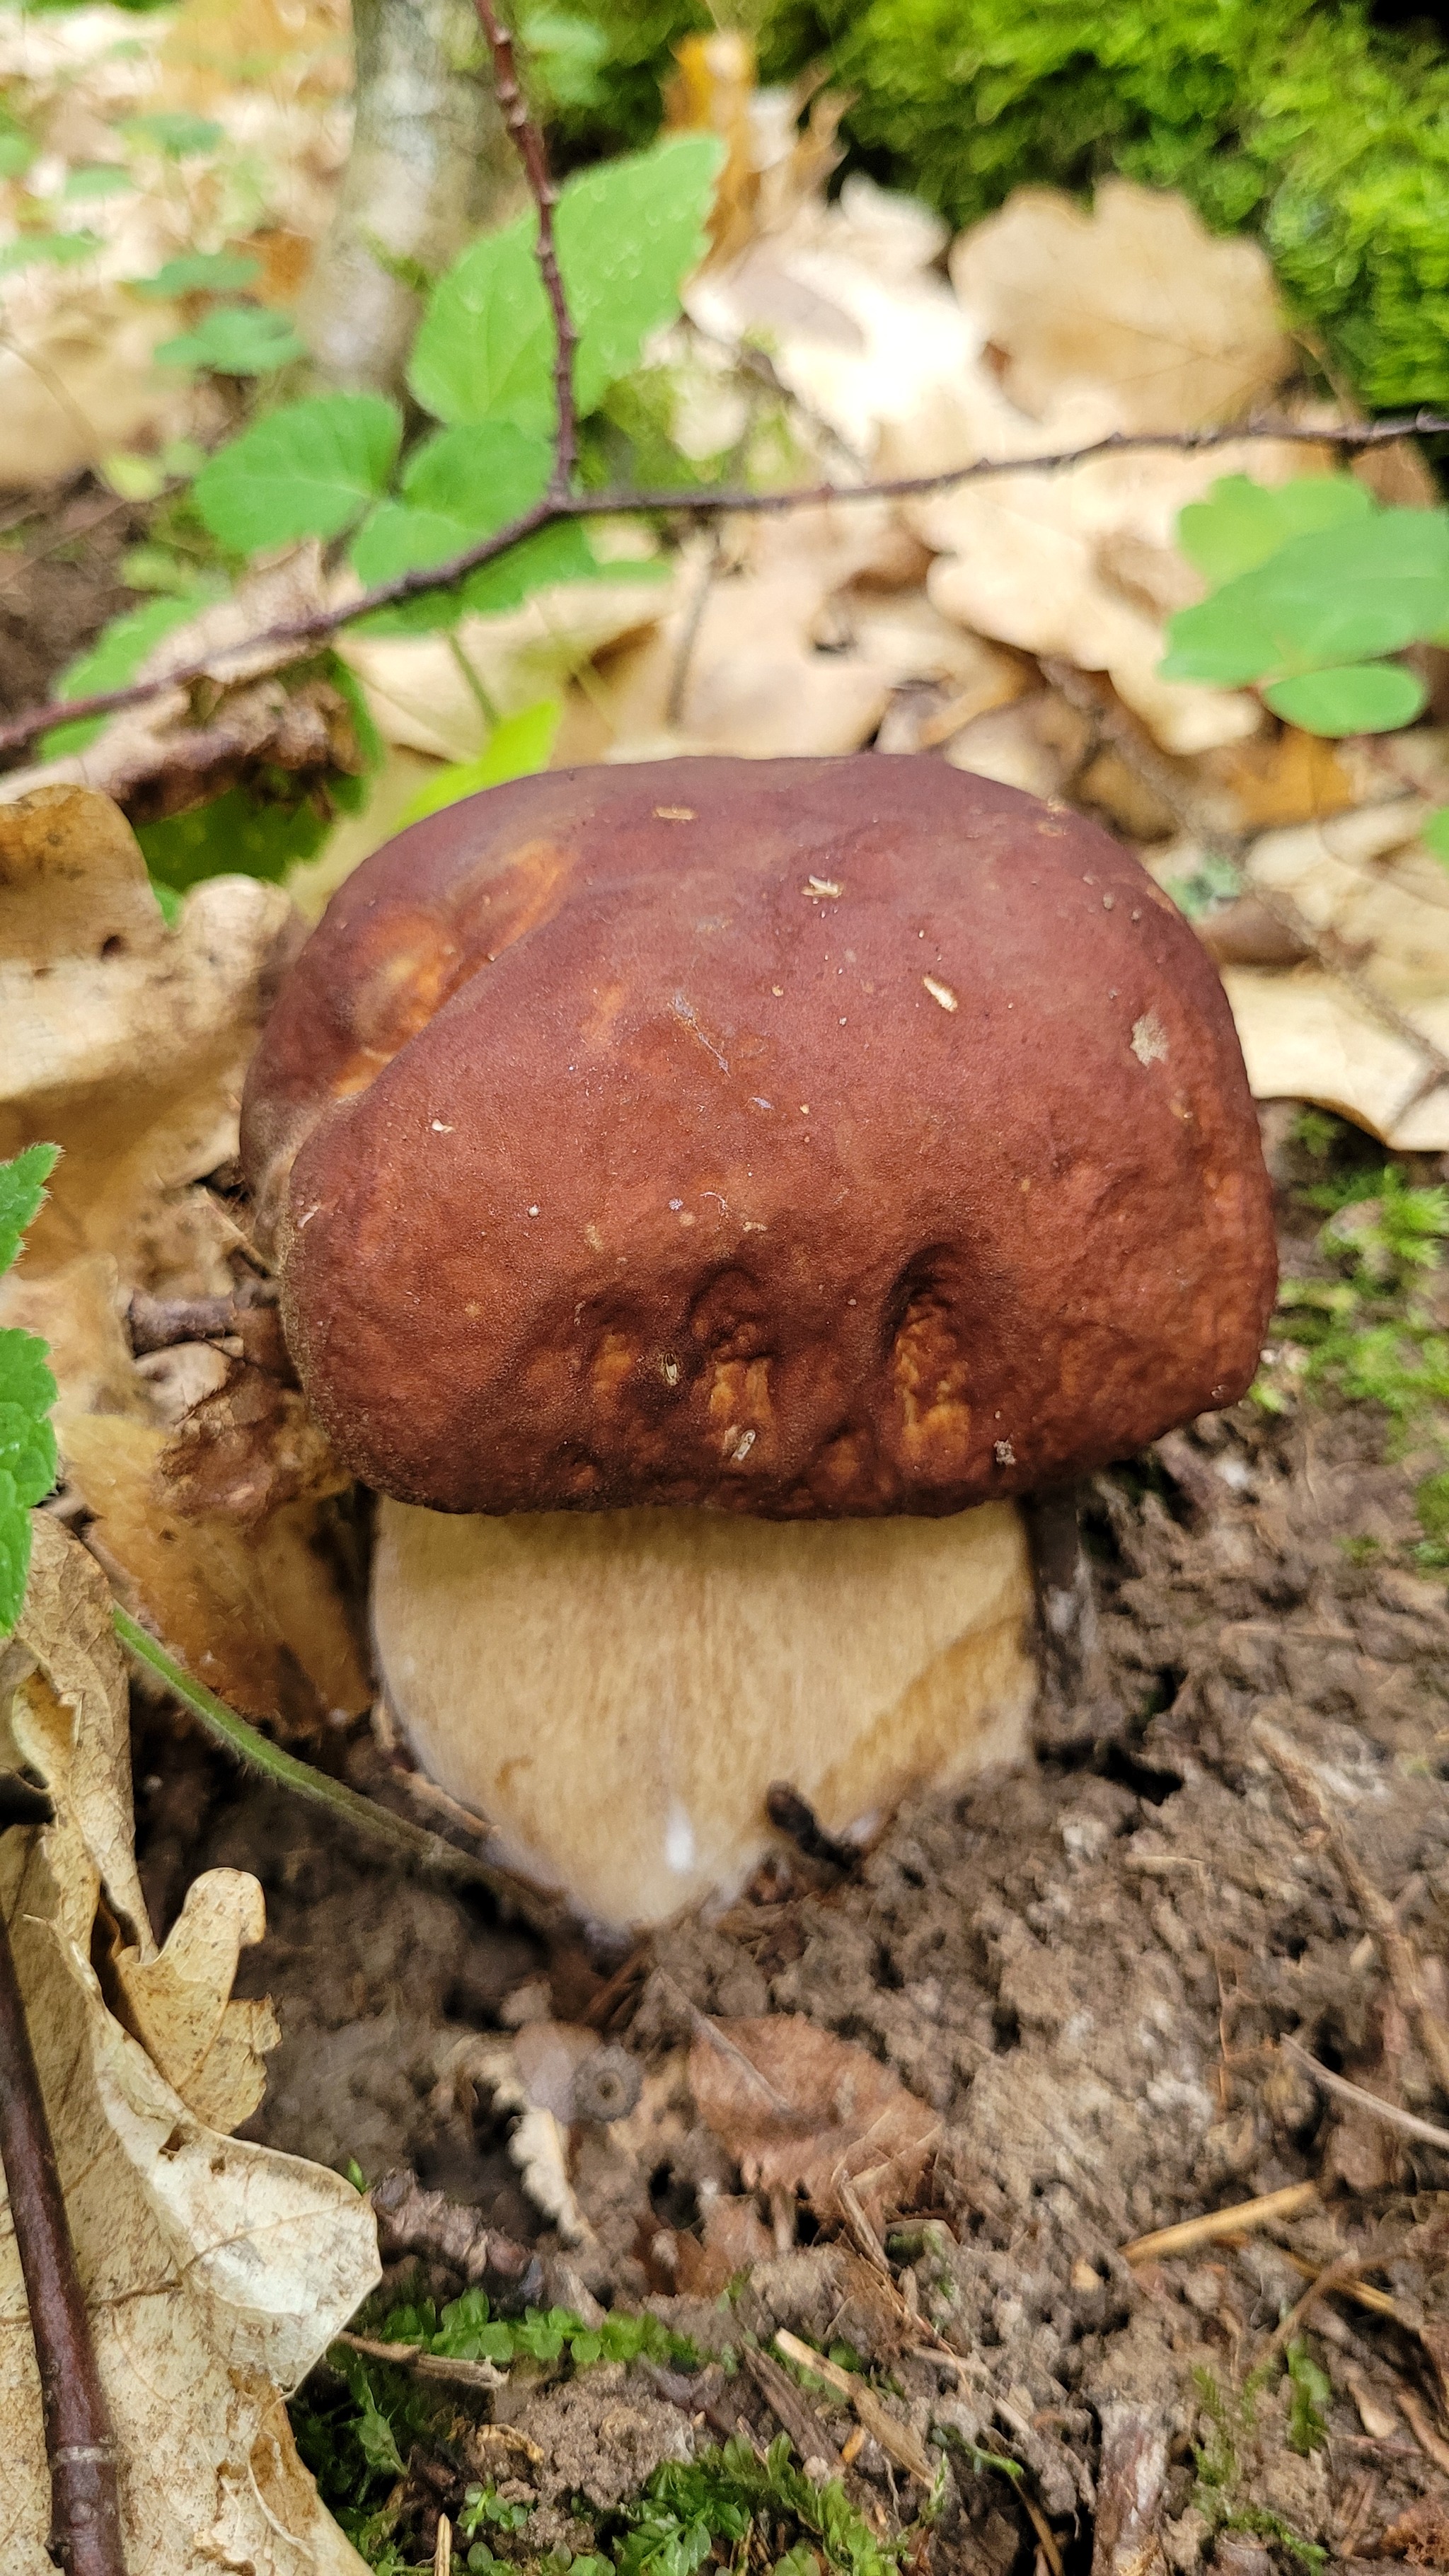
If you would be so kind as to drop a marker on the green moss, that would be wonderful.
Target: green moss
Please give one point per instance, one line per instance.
(1328, 135)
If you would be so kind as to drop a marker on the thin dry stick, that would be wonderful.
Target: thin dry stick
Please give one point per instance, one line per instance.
(899, 2441)
(1378, 2302)
(1401, 1960)
(1240, 2220)
(426, 2365)
(1338, 2275)
(528, 142)
(1416, 2415)
(722, 502)
(85, 2500)
(1407, 2123)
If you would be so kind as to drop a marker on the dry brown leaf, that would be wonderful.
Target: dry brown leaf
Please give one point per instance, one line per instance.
(797, 2108)
(246, 1450)
(1290, 777)
(215, 2272)
(1186, 327)
(257, 1613)
(1363, 879)
(1037, 744)
(128, 1051)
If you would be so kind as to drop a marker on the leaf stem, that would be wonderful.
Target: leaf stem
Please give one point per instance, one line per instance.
(247, 1743)
(529, 144)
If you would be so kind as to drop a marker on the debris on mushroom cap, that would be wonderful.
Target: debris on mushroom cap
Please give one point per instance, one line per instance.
(802, 1138)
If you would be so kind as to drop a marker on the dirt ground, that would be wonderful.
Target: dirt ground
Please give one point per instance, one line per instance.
(1085, 1971)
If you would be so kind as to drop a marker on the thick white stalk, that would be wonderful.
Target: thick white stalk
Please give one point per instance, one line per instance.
(616, 1692)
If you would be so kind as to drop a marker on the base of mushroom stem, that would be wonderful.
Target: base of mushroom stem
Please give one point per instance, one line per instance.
(617, 1692)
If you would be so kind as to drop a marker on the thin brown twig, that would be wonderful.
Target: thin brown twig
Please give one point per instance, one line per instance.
(426, 2365)
(1392, 2115)
(85, 2528)
(1341, 2274)
(529, 145)
(732, 501)
(1240, 2220)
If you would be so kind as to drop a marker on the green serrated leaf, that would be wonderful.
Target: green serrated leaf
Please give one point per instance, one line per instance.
(175, 132)
(307, 470)
(27, 1437)
(200, 272)
(1359, 697)
(14, 1552)
(22, 1195)
(114, 660)
(628, 234)
(1241, 522)
(235, 340)
(517, 747)
(233, 836)
(1341, 594)
(461, 486)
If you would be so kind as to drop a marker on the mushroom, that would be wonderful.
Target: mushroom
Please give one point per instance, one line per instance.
(707, 1196)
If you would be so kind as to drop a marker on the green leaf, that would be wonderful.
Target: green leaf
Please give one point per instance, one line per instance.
(168, 902)
(459, 487)
(1434, 832)
(1341, 594)
(517, 747)
(628, 234)
(22, 1195)
(27, 1390)
(1241, 522)
(1359, 697)
(27, 1438)
(101, 179)
(175, 132)
(200, 272)
(308, 470)
(111, 662)
(233, 836)
(61, 250)
(1309, 2401)
(16, 149)
(235, 340)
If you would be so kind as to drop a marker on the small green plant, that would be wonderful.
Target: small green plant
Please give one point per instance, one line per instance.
(732, 2501)
(1366, 1333)
(1217, 2463)
(1315, 585)
(467, 2330)
(345, 470)
(27, 1390)
(1310, 2394)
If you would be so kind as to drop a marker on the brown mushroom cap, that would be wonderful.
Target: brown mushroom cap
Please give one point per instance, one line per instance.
(805, 1138)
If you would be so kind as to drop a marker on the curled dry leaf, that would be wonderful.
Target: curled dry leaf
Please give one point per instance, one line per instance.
(215, 2272)
(1365, 882)
(1184, 326)
(798, 2109)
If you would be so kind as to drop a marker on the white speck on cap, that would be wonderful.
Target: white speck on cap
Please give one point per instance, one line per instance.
(439, 1129)
(941, 993)
(1149, 1039)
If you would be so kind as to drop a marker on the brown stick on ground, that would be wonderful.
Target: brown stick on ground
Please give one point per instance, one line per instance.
(85, 2499)
(1402, 1963)
(528, 143)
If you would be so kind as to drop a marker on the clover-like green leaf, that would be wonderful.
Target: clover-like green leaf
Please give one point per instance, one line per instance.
(460, 486)
(1341, 594)
(174, 131)
(1355, 697)
(235, 340)
(58, 250)
(516, 748)
(200, 272)
(628, 234)
(308, 470)
(1241, 522)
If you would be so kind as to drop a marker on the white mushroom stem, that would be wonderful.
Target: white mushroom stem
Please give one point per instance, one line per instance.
(616, 1692)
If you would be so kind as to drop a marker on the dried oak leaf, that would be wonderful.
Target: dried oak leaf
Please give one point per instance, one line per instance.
(1420, 2534)
(798, 2108)
(215, 2272)
(256, 1611)
(1185, 327)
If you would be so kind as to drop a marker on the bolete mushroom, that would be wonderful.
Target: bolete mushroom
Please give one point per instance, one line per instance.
(706, 1195)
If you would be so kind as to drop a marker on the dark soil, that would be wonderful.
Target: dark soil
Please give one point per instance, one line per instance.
(1085, 1970)
(59, 582)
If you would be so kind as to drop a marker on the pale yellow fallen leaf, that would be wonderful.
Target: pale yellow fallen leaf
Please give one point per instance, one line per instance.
(129, 1049)
(215, 2272)
(1185, 326)
(800, 2109)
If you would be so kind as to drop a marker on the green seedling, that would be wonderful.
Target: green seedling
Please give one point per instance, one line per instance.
(27, 1389)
